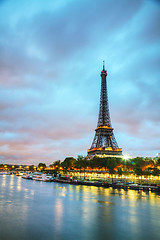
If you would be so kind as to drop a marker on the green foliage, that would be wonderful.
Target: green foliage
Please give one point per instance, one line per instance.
(156, 172)
(146, 172)
(129, 164)
(69, 162)
(110, 163)
(139, 162)
(57, 163)
(158, 162)
(31, 168)
(120, 172)
(125, 171)
(42, 166)
(138, 171)
(81, 162)
(1, 165)
(95, 162)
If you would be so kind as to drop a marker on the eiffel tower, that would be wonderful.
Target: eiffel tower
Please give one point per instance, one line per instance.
(104, 142)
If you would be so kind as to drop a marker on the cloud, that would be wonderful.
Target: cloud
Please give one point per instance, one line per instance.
(50, 63)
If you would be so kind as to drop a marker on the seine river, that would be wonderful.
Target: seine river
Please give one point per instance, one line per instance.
(31, 210)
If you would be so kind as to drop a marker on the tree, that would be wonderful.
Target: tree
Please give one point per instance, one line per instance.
(110, 163)
(31, 168)
(42, 166)
(129, 164)
(81, 163)
(57, 164)
(146, 172)
(96, 162)
(1, 166)
(139, 165)
(139, 162)
(125, 171)
(69, 162)
(120, 172)
(156, 172)
(138, 171)
(158, 162)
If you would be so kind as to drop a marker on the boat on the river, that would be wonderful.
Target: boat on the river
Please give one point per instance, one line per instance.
(80, 182)
(28, 176)
(38, 176)
(134, 186)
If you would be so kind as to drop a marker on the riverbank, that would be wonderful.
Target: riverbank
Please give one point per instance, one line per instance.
(115, 185)
(101, 183)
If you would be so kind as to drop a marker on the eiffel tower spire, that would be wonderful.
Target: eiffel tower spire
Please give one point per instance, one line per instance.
(104, 142)
(104, 116)
(103, 65)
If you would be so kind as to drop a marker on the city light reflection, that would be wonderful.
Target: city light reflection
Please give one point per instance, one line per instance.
(4, 180)
(19, 181)
(58, 208)
(11, 184)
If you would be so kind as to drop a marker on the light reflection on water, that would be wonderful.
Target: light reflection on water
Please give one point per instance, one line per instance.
(58, 208)
(38, 210)
(19, 183)
(3, 180)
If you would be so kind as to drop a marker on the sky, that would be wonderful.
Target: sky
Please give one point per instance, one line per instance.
(51, 55)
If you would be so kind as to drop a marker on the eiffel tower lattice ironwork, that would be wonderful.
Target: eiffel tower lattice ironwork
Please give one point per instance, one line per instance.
(104, 142)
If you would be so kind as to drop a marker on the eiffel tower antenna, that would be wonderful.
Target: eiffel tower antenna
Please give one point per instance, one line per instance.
(103, 65)
(104, 142)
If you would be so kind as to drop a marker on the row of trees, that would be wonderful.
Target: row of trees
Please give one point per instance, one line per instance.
(139, 166)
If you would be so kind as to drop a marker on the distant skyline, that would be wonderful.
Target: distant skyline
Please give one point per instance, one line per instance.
(51, 56)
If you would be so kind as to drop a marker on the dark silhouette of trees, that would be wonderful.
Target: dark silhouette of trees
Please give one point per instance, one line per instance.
(68, 163)
(31, 168)
(82, 163)
(42, 166)
(120, 172)
(57, 164)
(156, 172)
(139, 166)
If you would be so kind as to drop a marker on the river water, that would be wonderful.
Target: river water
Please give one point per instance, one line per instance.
(31, 210)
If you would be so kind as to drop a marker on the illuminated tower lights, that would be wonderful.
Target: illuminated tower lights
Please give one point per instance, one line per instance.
(104, 142)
